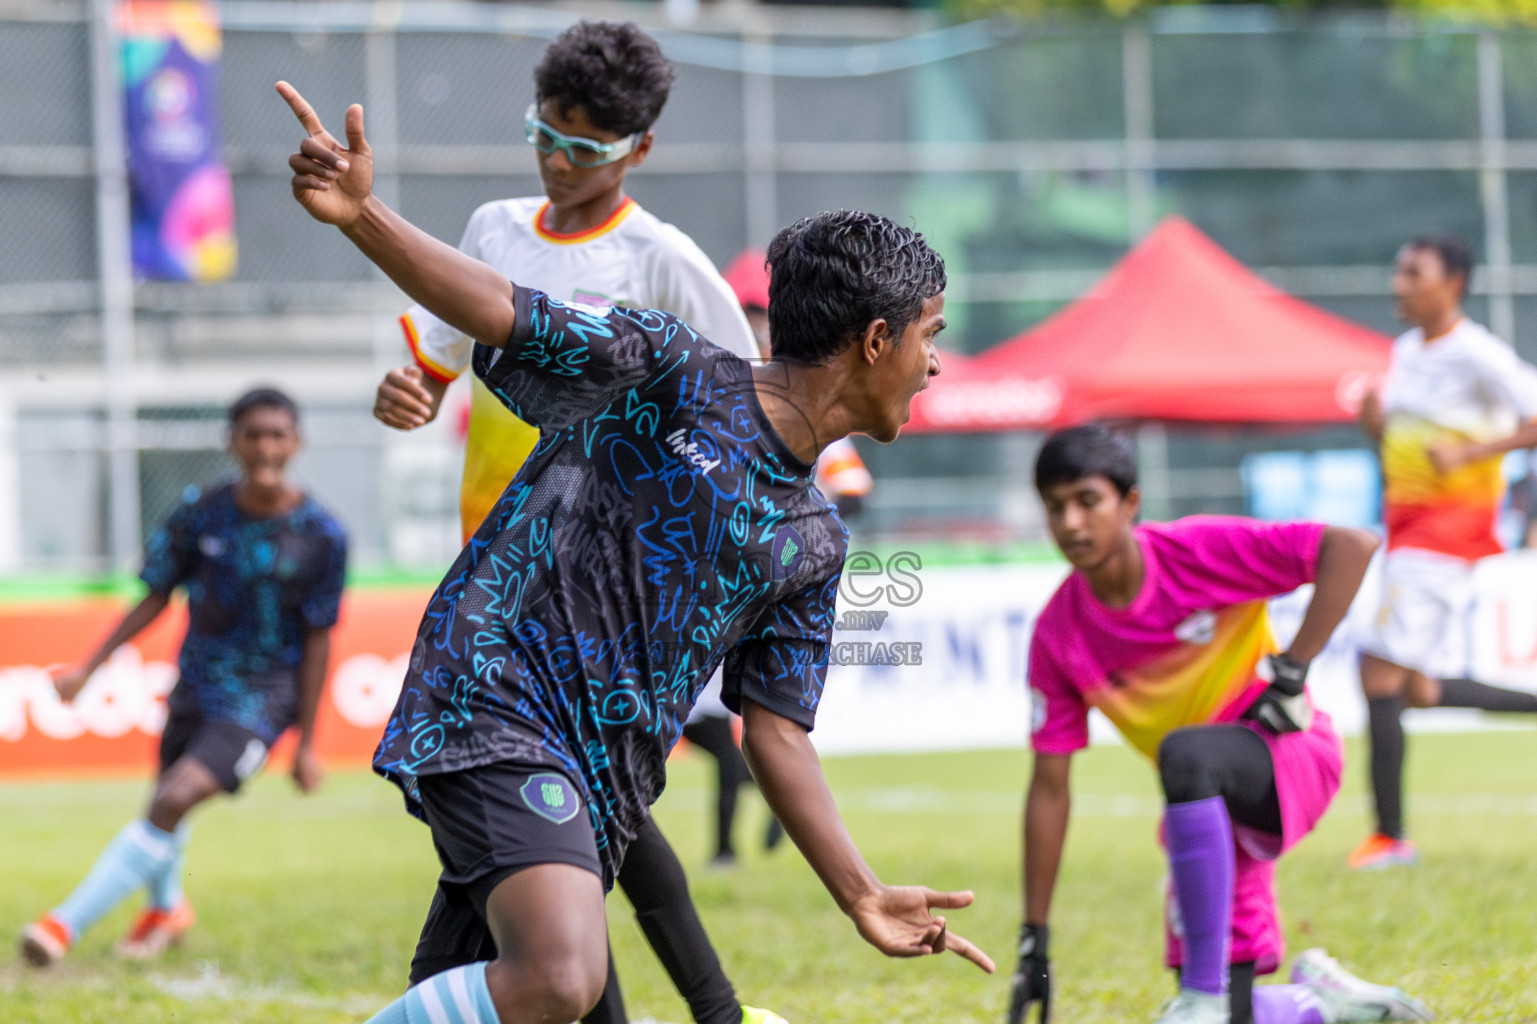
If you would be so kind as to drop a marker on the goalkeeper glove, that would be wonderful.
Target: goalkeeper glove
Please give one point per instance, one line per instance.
(1032, 978)
(1283, 706)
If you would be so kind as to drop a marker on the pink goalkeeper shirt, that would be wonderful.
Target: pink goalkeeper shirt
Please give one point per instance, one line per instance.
(1184, 652)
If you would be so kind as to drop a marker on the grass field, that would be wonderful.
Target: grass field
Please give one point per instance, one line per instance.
(309, 907)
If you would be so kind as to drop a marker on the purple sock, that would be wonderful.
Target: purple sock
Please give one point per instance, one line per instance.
(1200, 838)
(1287, 1004)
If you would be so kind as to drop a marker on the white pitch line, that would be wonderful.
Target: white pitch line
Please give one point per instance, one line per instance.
(210, 984)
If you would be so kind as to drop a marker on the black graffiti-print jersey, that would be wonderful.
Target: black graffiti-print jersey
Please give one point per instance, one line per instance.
(660, 526)
(256, 588)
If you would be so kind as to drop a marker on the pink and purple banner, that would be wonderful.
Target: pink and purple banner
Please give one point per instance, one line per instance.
(183, 205)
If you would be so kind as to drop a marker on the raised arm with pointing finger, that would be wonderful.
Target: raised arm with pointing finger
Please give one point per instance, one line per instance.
(553, 675)
(335, 184)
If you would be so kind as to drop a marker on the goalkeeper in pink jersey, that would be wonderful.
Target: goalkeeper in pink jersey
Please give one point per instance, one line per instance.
(1164, 628)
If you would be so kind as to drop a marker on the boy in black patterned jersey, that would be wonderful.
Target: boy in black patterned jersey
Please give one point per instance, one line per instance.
(665, 523)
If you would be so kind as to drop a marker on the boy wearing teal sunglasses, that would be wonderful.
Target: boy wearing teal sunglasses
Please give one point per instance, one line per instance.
(581, 152)
(600, 87)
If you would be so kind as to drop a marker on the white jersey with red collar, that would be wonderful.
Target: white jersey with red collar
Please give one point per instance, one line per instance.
(1464, 386)
(632, 259)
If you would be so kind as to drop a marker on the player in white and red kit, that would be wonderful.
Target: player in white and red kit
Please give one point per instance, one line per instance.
(1164, 627)
(1455, 400)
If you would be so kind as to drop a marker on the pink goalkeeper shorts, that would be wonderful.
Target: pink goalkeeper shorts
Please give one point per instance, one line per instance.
(1307, 771)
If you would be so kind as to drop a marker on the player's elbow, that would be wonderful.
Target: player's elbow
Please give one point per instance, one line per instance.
(759, 738)
(1369, 415)
(494, 317)
(1349, 544)
(767, 737)
(153, 604)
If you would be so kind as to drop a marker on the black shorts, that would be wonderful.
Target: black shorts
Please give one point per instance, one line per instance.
(487, 823)
(232, 752)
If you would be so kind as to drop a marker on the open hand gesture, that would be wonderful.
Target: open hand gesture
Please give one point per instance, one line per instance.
(896, 920)
(330, 180)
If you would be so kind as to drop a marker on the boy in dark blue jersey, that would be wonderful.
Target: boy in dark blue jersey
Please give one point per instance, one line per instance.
(665, 523)
(262, 566)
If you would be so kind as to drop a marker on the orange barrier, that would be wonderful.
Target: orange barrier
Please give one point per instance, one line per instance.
(114, 724)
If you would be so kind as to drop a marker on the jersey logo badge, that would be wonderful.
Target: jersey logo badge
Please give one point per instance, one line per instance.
(591, 301)
(789, 549)
(551, 797)
(1200, 629)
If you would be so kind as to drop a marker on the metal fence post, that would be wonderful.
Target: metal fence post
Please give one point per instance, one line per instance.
(115, 267)
(382, 123)
(759, 160)
(1137, 101)
(1491, 187)
(1153, 470)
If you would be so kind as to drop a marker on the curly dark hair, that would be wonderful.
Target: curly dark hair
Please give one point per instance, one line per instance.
(833, 273)
(612, 70)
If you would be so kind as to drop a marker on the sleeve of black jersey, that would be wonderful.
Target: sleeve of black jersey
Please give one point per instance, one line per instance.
(171, 553)
(781, 664)
(322, 604)
(565, 362)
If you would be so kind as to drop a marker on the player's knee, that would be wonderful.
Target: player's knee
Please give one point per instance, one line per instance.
(1381, 678)
(167, 809)
(549, 987)
(574, 986)
(177, 792)
(1422, 691)
(1183, 767)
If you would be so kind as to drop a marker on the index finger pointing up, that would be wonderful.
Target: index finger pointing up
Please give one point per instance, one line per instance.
(302, 110)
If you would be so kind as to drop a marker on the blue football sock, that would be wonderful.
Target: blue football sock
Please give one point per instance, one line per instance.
(458, 996)
(139, 853)
(395, 1013)
(165, 892)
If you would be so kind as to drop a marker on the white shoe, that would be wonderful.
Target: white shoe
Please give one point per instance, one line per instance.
(1194, 1007)
(1350, 1000)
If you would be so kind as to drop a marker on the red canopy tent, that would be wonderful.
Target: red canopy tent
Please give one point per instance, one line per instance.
(1178, 330)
